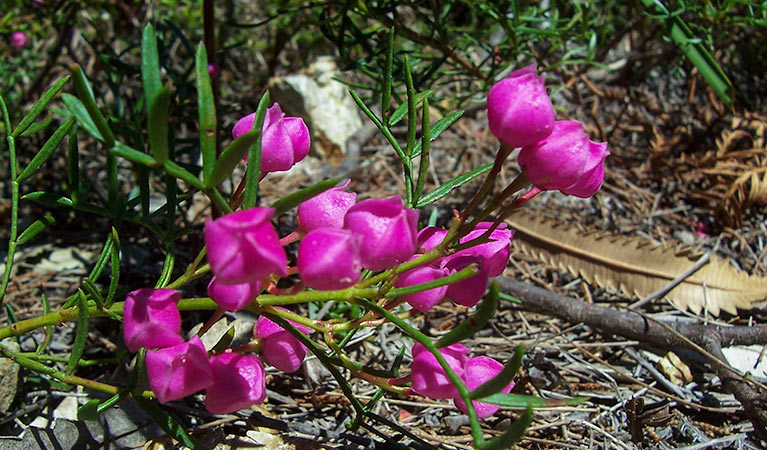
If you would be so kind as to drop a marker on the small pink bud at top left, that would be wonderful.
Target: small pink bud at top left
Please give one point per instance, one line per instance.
(243, 247)
(178, 371)
(151, 319)
(213, 70)
(19, 40)
(233, 297)
(239, 382)
(326, 209)
(329, 258)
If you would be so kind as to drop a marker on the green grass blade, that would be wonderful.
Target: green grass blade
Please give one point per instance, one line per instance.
(47, 198)
(386, 90)
(40, 105)
(37, 126)
(150, 65)
(512, 434)
(207, 113)
(133, 155)
(73, 166)
(230, 157)
(114, 265)
(529, 401)
(423, 168)
(50, 145)
(85, 94)
(401, 110)
(456, 182)
(412, 112)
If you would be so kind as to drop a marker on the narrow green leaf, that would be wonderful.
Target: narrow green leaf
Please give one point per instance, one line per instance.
(167, 423)
(230, 157)
(253, 172)
(46, 198)
(37, 126)
(179, 172)
(114, 263)
(503, 378)
(89, 411)
(529, 401)
(85, 93)
(76, 107)
(207, 113)
(289, 202)
(50, 145)
(33, 229)
(423, 168)
(150, 65)
(475, 322)
(456, 182)
(225, 340)
(133, 155)
(412, 112)
(157, 125)
(437, 129)
(81, 335)
(512, 434)
(40, 105)
(401, 110)
(73, 167)
(387, 78)
(93, 291)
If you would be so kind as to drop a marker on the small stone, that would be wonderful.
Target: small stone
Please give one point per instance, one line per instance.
(9, 373)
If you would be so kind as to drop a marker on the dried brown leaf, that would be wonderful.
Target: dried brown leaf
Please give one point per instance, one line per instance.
(637, 268)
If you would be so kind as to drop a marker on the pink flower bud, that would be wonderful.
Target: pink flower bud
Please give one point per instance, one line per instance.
(280, 348)
(469, 291)
(214, 71)
(239, 382)
(424, 300)
(325, 210)
(430, 237)
(284, 140)
(329, 258)
(151, 319)
(494, 253)
(566, 161)
(479, 370)
(519, 111)
(429, 378)
(178, 371)
(233, 297)
(388, 231)
(243, 247)
(19, 40)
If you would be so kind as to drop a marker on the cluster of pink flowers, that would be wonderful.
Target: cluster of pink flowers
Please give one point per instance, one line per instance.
(178, 368)
(555, 155)
(430, 380)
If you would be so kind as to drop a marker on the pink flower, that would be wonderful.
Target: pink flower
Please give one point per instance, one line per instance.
(151, 319)
(329, 258)
(280, 348)
(429, 378)
(477, 371)
(430, 237)
(424, 300)
(468, 291)
(19, 40)
(325, 210)
(519, 111)
(566, 161)
(243, 247)
(239, 382)
(284, 140)
(387, 231)
(178, 371)
(494, 253)
(233, 297)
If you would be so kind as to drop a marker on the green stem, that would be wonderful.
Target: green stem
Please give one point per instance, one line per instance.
(503, 152)
(14, 202)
